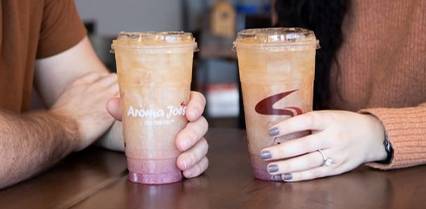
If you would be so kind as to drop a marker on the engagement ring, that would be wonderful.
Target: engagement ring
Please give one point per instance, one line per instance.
(326, 160)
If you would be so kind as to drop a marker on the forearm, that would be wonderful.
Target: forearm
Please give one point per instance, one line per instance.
(32, 142)
(113, 138)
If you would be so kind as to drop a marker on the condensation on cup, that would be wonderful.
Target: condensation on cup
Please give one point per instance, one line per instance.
(277, 68)
(154, 72)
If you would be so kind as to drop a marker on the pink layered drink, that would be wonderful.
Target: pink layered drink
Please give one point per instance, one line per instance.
(277, 67)
(154, 72)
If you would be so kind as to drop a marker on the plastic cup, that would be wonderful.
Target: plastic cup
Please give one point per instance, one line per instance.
(154, 74)
(277, 68)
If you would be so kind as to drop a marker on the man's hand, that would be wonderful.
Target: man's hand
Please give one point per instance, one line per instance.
(84, 102)
(190, 141)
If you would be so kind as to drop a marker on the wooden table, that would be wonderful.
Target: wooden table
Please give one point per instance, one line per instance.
(97, 179)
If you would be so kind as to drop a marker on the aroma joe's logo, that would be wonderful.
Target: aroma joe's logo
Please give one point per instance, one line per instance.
(265, 107)
(154, 113)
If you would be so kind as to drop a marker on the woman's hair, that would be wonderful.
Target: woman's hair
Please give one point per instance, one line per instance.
(325, 18)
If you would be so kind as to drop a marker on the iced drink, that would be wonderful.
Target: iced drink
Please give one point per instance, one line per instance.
(276, 68)
(154, 72)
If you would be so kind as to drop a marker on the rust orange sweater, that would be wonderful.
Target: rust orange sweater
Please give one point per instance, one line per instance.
(382, 71)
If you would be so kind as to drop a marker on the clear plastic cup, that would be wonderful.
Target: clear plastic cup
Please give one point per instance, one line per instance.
(277, 68)
(154, 72)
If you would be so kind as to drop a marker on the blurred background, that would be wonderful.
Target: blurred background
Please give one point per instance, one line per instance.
(214, 23)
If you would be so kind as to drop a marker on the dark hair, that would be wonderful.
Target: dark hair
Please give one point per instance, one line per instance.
(325, 18)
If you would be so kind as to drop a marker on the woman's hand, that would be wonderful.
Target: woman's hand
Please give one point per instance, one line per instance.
(348, 139)
(190, 141)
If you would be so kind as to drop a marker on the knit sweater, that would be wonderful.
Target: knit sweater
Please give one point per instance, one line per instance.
(382, 71)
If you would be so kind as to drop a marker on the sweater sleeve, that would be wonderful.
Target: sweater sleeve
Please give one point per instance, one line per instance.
(406, 131)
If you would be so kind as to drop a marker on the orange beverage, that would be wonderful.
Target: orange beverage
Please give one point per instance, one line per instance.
(277, 68)
(154, 73)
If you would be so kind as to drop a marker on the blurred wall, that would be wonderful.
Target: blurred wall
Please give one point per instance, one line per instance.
(113, 16)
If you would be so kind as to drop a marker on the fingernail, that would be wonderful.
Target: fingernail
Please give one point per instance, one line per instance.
(192, 113)
(276, 178)
(187, 174)
(265, 155)
(274, 131)
(184, 145)
(287, 177)
(272, 168)
(184, 164)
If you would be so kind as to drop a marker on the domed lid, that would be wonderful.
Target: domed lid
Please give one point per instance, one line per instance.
(275, 36)
(154, 39)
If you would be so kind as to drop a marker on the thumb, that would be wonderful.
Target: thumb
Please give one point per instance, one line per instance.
(114, 107)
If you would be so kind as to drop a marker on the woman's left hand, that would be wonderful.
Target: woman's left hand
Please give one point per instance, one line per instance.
(346, 139)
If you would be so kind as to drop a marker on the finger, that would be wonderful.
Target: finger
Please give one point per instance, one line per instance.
(307, 175)
(297, 164)
(90, 77)
(307, 121)
(295, 147)
(114, 108)
(191, 157)
(198, 169)
(107, 80)
(113, 89)
(191, 134)
(196, 105)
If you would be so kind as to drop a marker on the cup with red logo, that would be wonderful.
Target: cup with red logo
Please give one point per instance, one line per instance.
(277, 68)
(154, 74)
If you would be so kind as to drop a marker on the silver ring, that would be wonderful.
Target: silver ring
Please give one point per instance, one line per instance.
(326, 161)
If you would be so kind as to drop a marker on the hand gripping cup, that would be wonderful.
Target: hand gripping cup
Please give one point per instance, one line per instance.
(277, 67)
(154, 74)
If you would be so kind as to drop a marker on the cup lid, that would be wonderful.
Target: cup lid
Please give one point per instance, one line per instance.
(273, 36)
(154, 39)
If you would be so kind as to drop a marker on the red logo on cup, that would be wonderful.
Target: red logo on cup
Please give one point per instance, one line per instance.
(265, 107)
